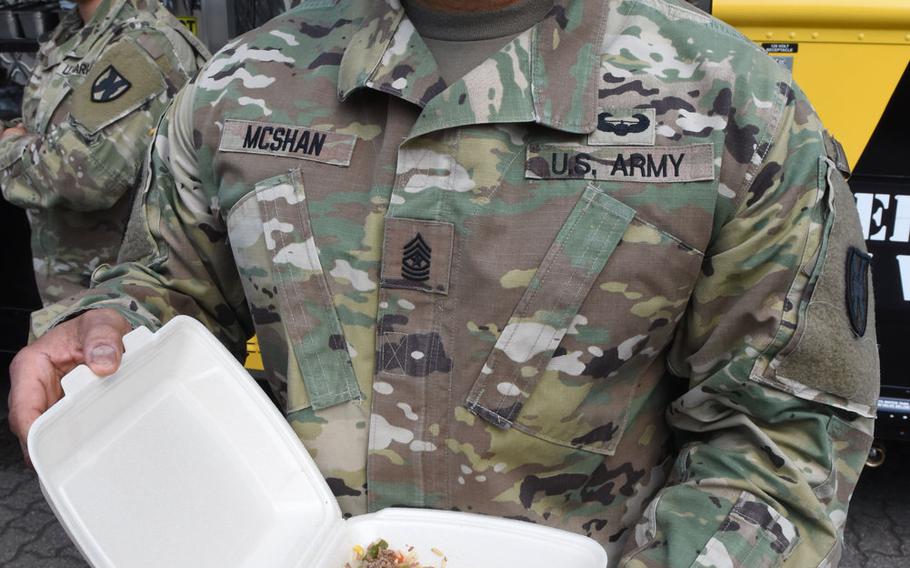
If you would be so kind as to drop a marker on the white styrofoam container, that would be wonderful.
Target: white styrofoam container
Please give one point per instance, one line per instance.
(179, 459)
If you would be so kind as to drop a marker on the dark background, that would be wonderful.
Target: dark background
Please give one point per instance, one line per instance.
(885, 168)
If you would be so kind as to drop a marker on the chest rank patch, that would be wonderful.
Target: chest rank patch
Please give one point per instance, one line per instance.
(288, 141)
(109, 86)
(417, 254)
(667, 164)
(636, 127)
(415, 260)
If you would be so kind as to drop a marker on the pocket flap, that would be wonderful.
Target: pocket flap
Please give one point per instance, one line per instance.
(753, 534)
(271, 234)
(49, 105)
(119, 83)
(545, 312)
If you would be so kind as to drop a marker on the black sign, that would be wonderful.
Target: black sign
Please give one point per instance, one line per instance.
(781, 47)
(884, 212)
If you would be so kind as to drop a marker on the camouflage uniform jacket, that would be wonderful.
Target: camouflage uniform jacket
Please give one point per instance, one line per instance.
(599, 283)
(90, 110)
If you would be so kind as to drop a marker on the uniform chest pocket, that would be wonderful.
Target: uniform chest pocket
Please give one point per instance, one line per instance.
(288, 294)
(599, 309)
(550, 303)
(51, 100)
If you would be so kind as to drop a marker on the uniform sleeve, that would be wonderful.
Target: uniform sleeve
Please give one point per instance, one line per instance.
(175, 258)
(778, 349)
(90, 159)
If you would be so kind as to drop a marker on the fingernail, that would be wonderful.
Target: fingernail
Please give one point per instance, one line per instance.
(103, 355)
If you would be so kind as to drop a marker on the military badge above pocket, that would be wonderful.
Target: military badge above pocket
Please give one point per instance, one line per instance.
(625, 128)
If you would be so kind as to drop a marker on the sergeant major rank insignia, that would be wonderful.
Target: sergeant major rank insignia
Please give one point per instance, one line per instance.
(415, 261)
(110, 85)
(417, 254)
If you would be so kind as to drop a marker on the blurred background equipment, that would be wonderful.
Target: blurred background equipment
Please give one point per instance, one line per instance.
(222, 20)
(21, 25)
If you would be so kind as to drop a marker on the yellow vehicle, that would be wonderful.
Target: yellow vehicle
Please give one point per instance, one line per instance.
(848, 55)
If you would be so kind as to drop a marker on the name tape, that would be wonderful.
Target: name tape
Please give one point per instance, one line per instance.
(288, 141)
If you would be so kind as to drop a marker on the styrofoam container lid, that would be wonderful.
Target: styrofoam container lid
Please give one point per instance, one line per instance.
(179, 459)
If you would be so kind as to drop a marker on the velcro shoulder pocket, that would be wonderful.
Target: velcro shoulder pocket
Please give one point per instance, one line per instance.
(120, 82)
(833, 357)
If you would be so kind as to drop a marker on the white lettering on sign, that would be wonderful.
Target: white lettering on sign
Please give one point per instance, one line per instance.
(884, 219)
(902, 219)
(903, 262)
(873, 211)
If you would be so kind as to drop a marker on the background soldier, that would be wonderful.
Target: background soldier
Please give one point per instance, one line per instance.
(588, 264)
(102, 80)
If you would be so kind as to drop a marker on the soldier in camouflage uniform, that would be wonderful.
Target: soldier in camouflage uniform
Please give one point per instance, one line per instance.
(89, 113)
(611, 280)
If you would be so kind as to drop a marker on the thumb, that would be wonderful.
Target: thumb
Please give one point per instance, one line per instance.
(102, 340)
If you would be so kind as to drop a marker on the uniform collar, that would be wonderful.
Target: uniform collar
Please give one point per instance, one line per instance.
(546, 75)
(73, 39)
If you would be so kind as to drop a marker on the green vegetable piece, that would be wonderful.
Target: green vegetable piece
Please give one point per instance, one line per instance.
(374, 549)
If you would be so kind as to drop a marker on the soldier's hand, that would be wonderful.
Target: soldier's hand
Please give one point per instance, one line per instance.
(93, 338)
(18, 129)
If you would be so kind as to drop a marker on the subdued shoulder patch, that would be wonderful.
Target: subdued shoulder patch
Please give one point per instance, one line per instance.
(857, 276)
(121, 81)
(287, 140)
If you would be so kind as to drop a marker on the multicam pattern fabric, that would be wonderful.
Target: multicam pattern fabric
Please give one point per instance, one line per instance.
(90, 109)
(604, 356)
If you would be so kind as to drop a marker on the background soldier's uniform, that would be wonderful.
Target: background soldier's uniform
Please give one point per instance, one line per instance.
(90, 110)
(609, 281)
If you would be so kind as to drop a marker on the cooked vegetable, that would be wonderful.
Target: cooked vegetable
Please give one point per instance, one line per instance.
(378, 555)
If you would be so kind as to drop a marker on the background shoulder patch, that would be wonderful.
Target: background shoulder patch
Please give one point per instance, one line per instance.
(109, 86)
(134, 68)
